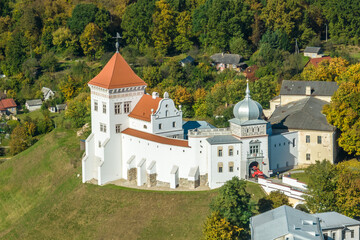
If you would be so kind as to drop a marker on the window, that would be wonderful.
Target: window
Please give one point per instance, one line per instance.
(117, 108)
(307, 138)
(325, 236)
(145, 127)
(254, 149)
(160, 125)
(126, 107)
(231, 166)
(343, 234)
(103, 127)
(334, 235)
(352, 234)
(220, 167)
(118, 128)
(308, 156)
(174, 124)
(293, 142)
(166, 113)
(220, 151)
(319, 139)
(96, 105)
(99, 143)
(104, 107)
(231, 151)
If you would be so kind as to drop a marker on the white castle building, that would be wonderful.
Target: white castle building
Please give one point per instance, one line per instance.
(139, 137)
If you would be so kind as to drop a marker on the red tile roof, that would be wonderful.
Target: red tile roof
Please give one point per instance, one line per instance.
(7, 103)
(117, 74)
(156, 138)
(142, 110)
(316, 61)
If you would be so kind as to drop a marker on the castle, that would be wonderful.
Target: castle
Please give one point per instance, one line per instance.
(140, 138)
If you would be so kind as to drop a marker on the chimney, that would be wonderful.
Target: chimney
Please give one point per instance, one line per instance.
(308, 91)
(155, 95)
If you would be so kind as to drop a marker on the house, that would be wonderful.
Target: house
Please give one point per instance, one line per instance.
(187, 60)
(336, 226)
(8, 106)
(288, 223)
(225, 60)
(315, 61)
(285, 223)
(313, 52)
(33, 105)
(61, 107)
(47, 92)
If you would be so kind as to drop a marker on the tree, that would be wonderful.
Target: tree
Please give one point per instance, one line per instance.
(19, 140)
(15, 53)
(163, 26)
(344, 110)
(240, 46)
(321, 195)
(78, 110)
(277, 39)
(233, 204)
(69, 87)
(49, 62)
(30, 68)
(182, 42)
(263, 90)
(91, 41)
(217, 227)
(81, 16)
(274, 200)
(62, 38)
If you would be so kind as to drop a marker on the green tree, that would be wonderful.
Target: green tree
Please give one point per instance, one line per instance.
(15, 53)
(91, 41)
(321, 195)
(81, 16)
(277, 39)
(240, 46)
(78, 110)
(30, 68)
(49, 62)
(217, 227)
(233, 204)
(263, 90)
(163, 26)
(274, 200)
(62, 38)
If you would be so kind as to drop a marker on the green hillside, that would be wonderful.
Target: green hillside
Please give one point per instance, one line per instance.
(42, 198)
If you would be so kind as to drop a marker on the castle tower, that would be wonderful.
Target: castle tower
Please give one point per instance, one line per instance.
(114, 93)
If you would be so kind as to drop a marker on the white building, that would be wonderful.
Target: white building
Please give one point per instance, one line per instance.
(139, 138)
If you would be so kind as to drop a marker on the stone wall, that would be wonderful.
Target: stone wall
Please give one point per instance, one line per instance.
(151, 180)
(132, 174)
(204, 180)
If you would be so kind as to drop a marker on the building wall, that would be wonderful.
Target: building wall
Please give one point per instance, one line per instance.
(140, 125)
(285, 99)
(33, 108)
(339, 235)
(317, 151)
(283, 151)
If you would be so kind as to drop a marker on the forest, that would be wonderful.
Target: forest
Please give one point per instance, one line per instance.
(63, 44)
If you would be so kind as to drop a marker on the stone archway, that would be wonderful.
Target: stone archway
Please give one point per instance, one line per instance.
(250, 169)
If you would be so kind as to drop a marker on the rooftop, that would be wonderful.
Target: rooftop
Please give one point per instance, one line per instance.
(282, 221)
(188, 59)
(7, 103)
(34, 102)
(117, 74)
(312, 49)
(318, 88)
(302, 114)
(156, 138)
(142, 110)
(329, 220)
(222, 139)
(315, 61)
(226, 58)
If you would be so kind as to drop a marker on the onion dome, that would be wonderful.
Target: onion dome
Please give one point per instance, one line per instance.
(247, 109)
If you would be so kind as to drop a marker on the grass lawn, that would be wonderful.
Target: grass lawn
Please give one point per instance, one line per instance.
(38, 115)
(302, 176)
(42, 197)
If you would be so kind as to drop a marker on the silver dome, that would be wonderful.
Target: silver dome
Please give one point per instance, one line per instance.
(247, 109)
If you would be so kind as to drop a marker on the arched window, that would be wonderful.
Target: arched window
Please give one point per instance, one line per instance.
(166, 113)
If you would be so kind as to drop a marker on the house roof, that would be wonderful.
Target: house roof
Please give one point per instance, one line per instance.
(318, 88)
(282, 221)
(117, 74)
(142, 110)
(315, 61)
(304, 114)
(7, 103)
(156, 138)
(61, 106)
(34, 102)
(188, 59)
(226, 58)
(222, 139)
(45, 90)
(312, 49)
(330, 220)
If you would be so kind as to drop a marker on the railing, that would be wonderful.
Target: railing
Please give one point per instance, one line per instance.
(254, 155)
(210, 131)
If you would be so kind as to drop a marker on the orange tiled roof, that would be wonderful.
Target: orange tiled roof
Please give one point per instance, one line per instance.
(316, 61)
(117, 74)
(7, 103)
(142, 110)
(156, 138)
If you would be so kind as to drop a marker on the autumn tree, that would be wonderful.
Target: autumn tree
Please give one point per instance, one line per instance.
(69, 87)
(163, 26)
(182, 41)
(217, 227)
(91, 41)
(19, 140)
(233, 204)
(78, 110)
(62, 38)
(274, 200)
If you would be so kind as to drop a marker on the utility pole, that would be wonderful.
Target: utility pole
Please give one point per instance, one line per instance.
(296, 47)
(325, 32)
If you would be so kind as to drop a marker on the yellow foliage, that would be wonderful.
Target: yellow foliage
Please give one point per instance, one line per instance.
(217, 227)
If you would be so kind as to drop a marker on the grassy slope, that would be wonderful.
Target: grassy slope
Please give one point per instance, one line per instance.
(41, 197)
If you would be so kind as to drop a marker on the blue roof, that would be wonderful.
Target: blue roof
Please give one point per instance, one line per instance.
(189, 125)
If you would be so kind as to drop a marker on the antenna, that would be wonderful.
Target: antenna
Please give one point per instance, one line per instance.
(118, 36)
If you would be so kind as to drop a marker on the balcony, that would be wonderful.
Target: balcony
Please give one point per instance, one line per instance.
(255, 155)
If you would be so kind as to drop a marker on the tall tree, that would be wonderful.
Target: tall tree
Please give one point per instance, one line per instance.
(182, 41)
(91, 41)
(219, 228)
(81, 16)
